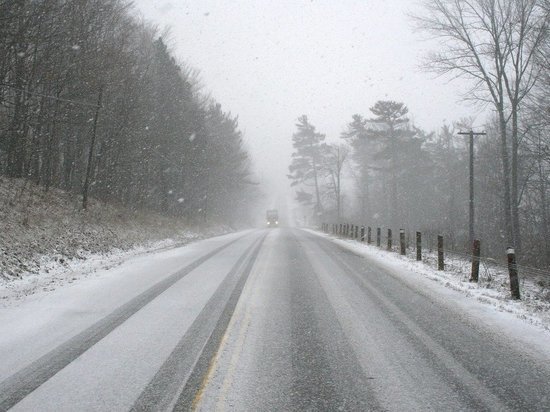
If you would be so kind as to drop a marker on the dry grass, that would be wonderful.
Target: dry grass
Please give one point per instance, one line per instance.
(38, 226)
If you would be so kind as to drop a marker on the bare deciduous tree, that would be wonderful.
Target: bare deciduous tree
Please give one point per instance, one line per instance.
(494, 43)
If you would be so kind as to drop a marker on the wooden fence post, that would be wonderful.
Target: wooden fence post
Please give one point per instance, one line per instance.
(476, 253)
(389, 239)
(418, 246)
(440, 257)
(356, 232)
(362, 233)
(513, 271)
(369, 235)
(402, 241)
(378, 236)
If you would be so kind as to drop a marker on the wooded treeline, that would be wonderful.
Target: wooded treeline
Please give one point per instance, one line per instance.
(92, 101)
(406, 177)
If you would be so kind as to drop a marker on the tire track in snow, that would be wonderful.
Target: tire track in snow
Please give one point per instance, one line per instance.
(25, 381)
(195, 384)
(182, 372)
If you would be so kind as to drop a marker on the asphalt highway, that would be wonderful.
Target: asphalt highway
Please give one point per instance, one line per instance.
(269, 320)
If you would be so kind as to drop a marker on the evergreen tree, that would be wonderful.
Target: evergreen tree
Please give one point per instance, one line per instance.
(308, 158)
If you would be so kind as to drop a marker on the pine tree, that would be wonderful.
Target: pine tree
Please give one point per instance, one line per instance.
(306, 167)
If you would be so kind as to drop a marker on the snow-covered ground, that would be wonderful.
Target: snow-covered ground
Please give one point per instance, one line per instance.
(46, 240)
(54, 272)
(533, 309)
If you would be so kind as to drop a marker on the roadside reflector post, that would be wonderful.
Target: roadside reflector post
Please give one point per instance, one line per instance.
(402, 241)
(440, 256)
(418, 246)
(389, 239)
(378, 236)
(476, 254)
(369, 235)
(513, 271)
(362, 233)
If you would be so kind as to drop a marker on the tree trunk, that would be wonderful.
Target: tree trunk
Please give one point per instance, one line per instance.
(91, 152)
(514, 177)
(505, 176)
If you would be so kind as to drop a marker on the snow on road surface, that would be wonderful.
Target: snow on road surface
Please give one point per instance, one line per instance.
(491, 306)
(276, 319)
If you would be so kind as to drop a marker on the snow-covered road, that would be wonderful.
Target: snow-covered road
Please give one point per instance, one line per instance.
(261, 320)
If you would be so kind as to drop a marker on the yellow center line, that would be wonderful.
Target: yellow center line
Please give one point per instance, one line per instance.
(241, 316)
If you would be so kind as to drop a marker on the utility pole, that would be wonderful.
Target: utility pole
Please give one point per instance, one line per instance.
(471, 134)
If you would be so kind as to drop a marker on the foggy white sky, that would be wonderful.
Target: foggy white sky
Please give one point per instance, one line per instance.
(272, 61)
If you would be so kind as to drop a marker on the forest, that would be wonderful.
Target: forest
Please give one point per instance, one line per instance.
(92, 101)
(405, 177)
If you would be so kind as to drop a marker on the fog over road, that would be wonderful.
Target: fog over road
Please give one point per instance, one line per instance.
(276, 319)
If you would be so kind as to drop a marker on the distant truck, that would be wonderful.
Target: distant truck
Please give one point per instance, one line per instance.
(272, 217)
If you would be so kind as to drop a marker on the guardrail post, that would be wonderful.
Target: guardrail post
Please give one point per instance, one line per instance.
(418, 246)
(369, 235)
(403, 249)
(440, 256)
(389, 239)
(513, 271)
(476, 253)
(378, 236)
(362, 233)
